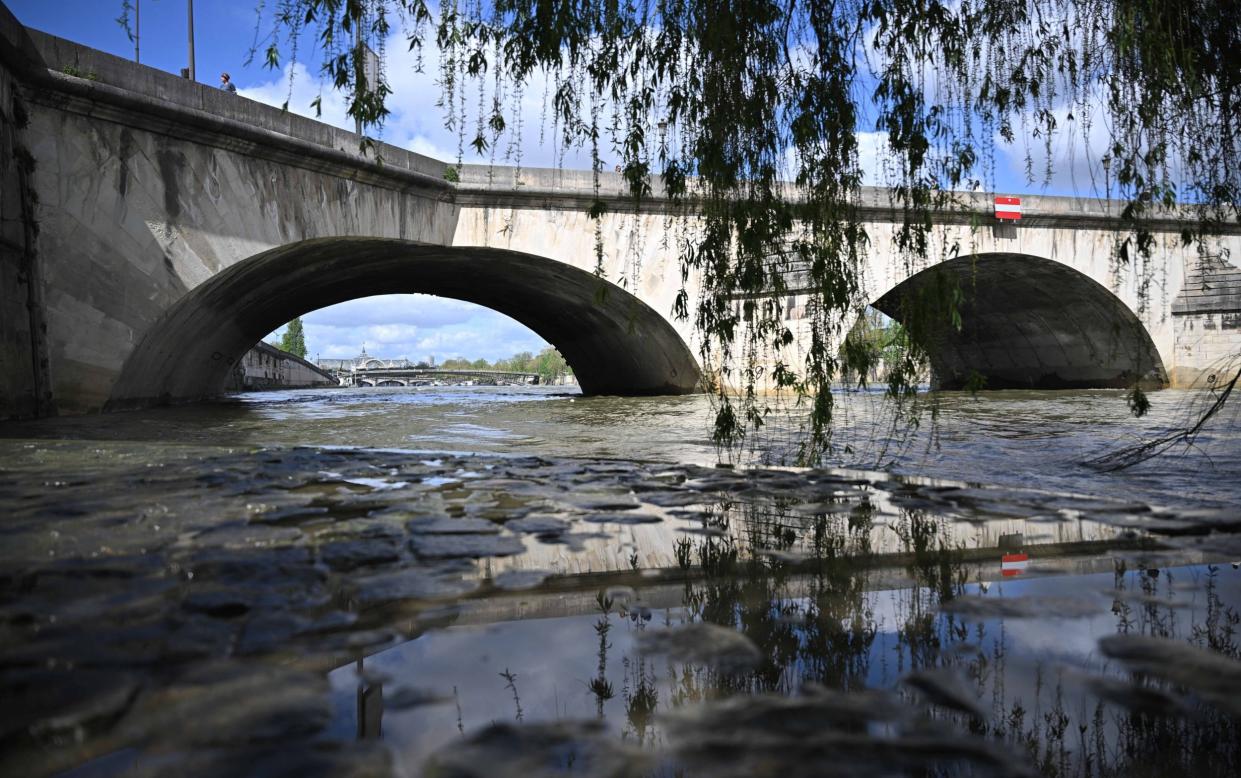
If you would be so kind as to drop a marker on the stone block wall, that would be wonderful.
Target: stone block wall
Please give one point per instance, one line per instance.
(1207, 345)
(23, 358)
(1207, 319)
(267, 367)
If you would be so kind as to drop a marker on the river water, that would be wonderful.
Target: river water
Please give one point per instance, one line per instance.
(496, 581)
(1039, 440)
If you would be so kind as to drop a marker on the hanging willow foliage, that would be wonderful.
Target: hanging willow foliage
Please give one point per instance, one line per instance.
(748, 113)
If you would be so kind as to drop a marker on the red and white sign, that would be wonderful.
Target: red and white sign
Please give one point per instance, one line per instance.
(1013, 564)
(1008, 208)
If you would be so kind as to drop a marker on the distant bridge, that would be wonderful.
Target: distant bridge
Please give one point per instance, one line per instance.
(413, 376)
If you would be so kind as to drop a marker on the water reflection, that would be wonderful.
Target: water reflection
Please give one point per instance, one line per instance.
(947, 663)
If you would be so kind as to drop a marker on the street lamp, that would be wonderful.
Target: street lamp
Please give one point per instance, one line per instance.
(190, 17)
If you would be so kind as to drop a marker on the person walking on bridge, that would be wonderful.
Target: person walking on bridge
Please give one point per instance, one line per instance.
(226, 83)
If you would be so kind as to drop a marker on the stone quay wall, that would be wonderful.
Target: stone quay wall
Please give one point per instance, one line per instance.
(267, 367)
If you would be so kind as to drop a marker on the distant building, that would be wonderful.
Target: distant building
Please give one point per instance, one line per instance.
(364, 361)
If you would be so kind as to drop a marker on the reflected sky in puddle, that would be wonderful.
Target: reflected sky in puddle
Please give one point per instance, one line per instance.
(1033, 682)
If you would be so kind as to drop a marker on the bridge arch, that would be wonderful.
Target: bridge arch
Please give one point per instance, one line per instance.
(1028, 323)
(615, 343)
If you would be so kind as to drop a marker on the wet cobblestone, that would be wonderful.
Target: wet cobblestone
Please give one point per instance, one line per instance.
(180, 616)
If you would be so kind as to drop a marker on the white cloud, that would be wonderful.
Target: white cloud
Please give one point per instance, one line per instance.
(872, 155)
(1073, 165)
(296, 86)
(414, 327)
(416, 122)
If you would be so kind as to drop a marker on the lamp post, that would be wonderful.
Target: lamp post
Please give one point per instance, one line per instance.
(190, 16)
(357, 43)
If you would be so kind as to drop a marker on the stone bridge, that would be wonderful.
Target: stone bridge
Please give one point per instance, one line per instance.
(154, 229)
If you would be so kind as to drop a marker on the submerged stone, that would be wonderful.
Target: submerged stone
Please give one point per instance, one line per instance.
(540, 525)
(517, 580)
(1209, 674)
(412, 584)
(622, 518)
(465, 546)
(230, 703)
(946, 688)
(703, 643)
(405, 697)
(51, 704)
(1022, 607)
(821, 732)
(524, 751)
(294, 758)
(346, 555)
(449, 526)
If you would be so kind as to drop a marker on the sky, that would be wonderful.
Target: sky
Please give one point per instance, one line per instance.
(410, 326)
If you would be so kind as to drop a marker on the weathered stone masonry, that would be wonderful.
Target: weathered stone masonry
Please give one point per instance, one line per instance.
(1207, 313)
(24, 386)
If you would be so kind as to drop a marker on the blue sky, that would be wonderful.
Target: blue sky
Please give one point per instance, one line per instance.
(408, 325)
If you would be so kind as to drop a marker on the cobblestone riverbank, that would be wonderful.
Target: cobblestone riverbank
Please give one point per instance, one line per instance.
(181, 616)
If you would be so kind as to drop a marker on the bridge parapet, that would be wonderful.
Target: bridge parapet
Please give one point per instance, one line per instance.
(513, 187)
(104, 78)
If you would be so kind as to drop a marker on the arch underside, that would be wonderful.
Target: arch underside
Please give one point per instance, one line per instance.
(1029, 323)
(615, 343)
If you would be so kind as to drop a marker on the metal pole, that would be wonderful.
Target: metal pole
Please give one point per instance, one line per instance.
(137, 29)
(358, 71)
(190, 12)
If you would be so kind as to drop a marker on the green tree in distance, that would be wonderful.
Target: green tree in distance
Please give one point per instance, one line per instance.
(550, 366)
(294, 339)
(873, 346)
(750, 115)
(521, 362)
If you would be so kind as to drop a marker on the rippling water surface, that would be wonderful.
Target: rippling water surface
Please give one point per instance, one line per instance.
(1014, 438)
